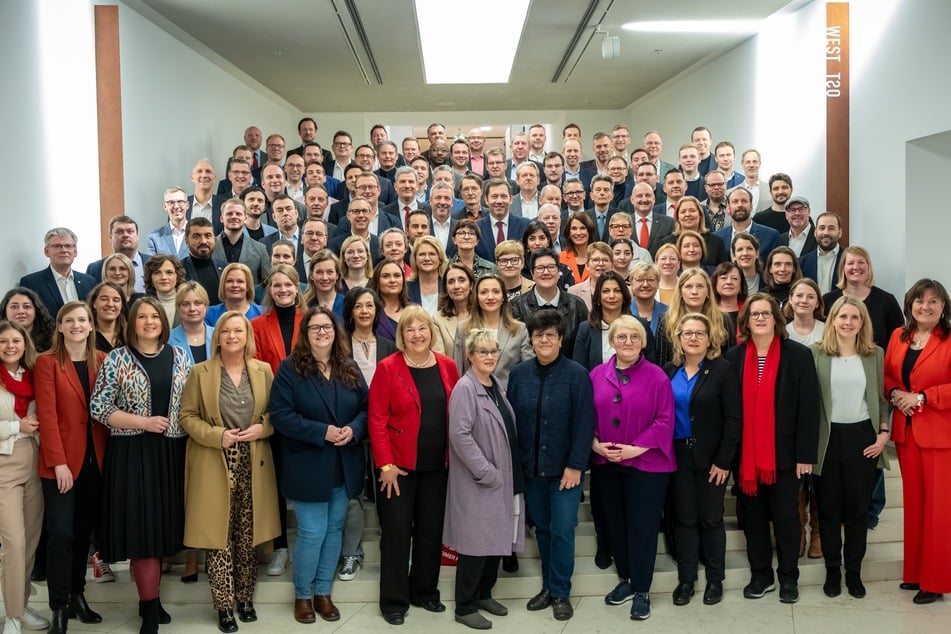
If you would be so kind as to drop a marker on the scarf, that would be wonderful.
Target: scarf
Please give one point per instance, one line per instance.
(758, 452)
(22, 390)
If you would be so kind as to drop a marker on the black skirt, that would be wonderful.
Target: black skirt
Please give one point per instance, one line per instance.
(144, 497)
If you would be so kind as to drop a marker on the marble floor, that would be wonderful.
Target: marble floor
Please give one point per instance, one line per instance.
(886, 609)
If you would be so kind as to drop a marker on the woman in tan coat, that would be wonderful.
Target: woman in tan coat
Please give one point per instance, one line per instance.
(230, 486)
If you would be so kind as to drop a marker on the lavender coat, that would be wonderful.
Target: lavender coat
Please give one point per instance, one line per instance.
(645, 412)
(480, 506)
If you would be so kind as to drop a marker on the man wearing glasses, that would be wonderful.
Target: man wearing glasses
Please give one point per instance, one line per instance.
(169, 239)
(714, 183)
(59, 283)
(800, 237)
(574, 194)
(342, 150)
(357, 223)
(543, 266)
(275, 146)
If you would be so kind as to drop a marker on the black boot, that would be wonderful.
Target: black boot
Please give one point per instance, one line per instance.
(78, 608)
(58, 622)
(164, 617)
(150, 616)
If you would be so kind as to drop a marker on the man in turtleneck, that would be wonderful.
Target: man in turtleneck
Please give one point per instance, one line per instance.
(199, 265)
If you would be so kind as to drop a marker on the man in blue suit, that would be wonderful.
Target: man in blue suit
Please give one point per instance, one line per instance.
(59, 283)
(740, 204)
(169, 239)
(124, 236)
(498, 199)
(822, 263)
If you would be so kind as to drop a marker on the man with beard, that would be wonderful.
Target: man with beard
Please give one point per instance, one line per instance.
(255, 204)
(601, 146)
(738, 202)
(253, 138)
(715, 185)
(800, 236)
(821, 264)
(781, 189)
(200, 266)
(307, 129)
(234, 245)
(124, 236)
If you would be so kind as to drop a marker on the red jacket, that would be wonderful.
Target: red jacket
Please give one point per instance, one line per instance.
(64, 413)
(395, 409)
(268, 342)
(931, 375)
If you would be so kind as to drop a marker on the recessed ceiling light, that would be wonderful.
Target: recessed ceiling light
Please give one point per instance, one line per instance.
(725, 27)
(504, 20)
(485, 128)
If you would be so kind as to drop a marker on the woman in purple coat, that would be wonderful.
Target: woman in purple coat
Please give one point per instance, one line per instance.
(484, 518)
(633, 452)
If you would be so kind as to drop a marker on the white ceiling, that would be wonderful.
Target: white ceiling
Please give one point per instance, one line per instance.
(299, 49)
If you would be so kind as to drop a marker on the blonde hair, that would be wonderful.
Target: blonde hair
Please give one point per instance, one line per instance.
(367, 267)
(291, 273)
(628, 322)
(248, 281)
(862, 253)
(712, 351)
(864, 344)
(129, 288)
(434, 243)
(677, 309)
(410, 314)
(249, 347)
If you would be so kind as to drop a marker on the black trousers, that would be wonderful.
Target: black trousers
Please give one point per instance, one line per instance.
(475, 578)
(599, 512)
(698, 515)
(281, 540)
(412, 518)
(777, 503)
(843, 492)
(70, 518)
(635, 499)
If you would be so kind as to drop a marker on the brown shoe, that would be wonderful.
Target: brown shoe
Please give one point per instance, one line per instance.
(326, 608)
(304, 611)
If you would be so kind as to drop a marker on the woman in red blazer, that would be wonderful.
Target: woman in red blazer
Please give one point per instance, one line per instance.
(275, 333)
(409, 414)
(918, 383)
(71, 454)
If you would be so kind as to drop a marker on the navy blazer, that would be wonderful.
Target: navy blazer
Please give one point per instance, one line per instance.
(486, 246)
(396, 211)
(415, 296)
(216, 201)
(385, 221)
(767, 236)
(809, 262)
(301, 410)
(44, 285)
(161, 241)
(94, 270)
(809, 245)
(588, 351)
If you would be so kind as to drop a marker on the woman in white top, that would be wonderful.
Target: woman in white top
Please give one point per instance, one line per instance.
(163, 275)
(804, 312)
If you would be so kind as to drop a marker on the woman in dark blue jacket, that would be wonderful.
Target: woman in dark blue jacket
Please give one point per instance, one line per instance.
(319, 405)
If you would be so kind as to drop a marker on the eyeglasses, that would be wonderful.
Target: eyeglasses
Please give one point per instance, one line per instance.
(693, 334)
(599, 260)
(496, 163)
(765, 314)
(580, 192)
(618, 226)
(622, 338)
(544, 336)
(242, 172)
(485, 353)
(464, 233)
(275, 145)
(359, 212)
(178, 203)
(318, 328)
(315, 234)
(64, 247)
(545, 268)
(508, 261)
(797, 210)
(365, 188)
(342, 144)
(644, 280)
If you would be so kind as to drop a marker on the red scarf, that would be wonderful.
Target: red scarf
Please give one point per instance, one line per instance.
(758, 453)
(22, 390)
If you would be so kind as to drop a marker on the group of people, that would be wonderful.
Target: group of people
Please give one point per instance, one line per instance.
(181, 398)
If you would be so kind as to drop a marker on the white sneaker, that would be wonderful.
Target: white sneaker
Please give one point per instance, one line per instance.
(278, 563)
(11, 626)
(348, 569)
(32, 620)
(101, 572)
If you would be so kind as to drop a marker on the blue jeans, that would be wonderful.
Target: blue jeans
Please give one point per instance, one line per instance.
(555, 514)
(319, 534)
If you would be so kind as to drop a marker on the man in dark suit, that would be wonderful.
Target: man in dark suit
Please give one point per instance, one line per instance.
(288, 228)
(574, 168)
(601, 146)
(702, 138)
(602, 191)
(59, 283)
(471, 191)
(441, 223)
(657, 226)
(821, 264)
(519, 148)
(358, 224)
(274, 183)
(239, 178)
(235, 245)
(124, 236)
(203, 203)
(368, 188)
(406, 183)
(200, 265)
(800, 236)
(307, 129)
(253, 139)
(499, 220)
(740, 202)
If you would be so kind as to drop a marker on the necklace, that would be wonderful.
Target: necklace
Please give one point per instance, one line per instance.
(425, 363)
(920, 340)
(152, 355)
(492, 393)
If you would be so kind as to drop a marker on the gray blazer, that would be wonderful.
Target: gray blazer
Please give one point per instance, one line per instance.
(512, 350)
(874, 367)
(253, 253)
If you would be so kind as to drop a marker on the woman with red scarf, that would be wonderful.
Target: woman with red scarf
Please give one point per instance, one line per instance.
(779, 445)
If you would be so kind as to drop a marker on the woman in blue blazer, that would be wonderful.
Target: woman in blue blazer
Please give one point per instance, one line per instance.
(192, 334)
(319, 405)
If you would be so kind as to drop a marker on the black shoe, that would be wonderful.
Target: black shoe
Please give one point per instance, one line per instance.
(622, 593)
(58, 622)
(226, 622)
(78, 608)
(432, 606)
(192, 578)
(683, 592)
(905, 585)
(394, 618)
(757, 589)
(246, 612)
(788, 593)
(924, 597)
(853, 582)
(150, 616)
(833, 585)
(539, 602)
(713, 593)
(510, 563)
(164, 617)
(602, 558)
(561, 609)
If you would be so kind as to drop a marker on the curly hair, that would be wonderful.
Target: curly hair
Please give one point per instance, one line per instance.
(41, 333)
(342, 366)
(155, 263)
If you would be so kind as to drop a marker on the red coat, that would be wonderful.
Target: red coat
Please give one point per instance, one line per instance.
(64, 413)
(268, 342)
(931, 375)
(395, 409)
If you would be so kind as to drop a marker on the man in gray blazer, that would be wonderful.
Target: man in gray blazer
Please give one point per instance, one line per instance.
(235, 245)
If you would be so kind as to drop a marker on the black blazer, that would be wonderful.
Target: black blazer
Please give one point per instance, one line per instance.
(797, 403)
(716, 412)
(191, 273)
(44, 285)
(588, 350)
(415, 296)
(385, 221)
(215, 211)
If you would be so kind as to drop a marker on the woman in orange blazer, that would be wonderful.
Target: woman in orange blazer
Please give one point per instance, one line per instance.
(579, 232)
(275, 333)
(408, 421)
(918, 383)
(71, 454)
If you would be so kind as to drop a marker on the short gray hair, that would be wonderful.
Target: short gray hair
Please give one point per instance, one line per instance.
(478, 336)
(58, 232)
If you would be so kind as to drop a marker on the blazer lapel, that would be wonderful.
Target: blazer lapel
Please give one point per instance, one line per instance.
(871, 398)
(332, 411)
(73, 379)
(212, 390)
(702, 375)
(824, 370)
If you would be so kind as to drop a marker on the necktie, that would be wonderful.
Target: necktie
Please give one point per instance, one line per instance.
(406, 216)
(254, 161)
(600, 225)
(645, 234)
(499, 235)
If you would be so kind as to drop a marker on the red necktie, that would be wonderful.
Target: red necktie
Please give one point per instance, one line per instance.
(406, 217)
(499, 235)
(645, 234)
(254, 161)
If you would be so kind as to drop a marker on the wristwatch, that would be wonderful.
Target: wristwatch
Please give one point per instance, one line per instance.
(921, 399)
(385, 468)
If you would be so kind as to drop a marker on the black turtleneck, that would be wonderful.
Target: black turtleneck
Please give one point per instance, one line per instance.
(285, 317)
